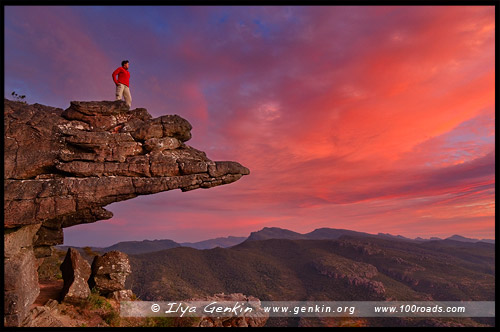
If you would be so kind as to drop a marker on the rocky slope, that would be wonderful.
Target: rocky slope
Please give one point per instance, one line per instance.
(256, 318)
(62, 167)
(351, 268)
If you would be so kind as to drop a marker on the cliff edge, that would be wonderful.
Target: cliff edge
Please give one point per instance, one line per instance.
(62, 167)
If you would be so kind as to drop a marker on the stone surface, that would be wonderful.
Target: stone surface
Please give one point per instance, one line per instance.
(20, 286)
(109, 272)
(165, 143)
(43, 316)
(256, 318)
(62, 167)
(17, 238)
(122, 295)
(76, 273)
(81, 165)
(41, 252)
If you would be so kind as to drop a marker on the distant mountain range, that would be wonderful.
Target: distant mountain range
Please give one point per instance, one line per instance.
(333, 234)
(276, 264)
(145, 246)
(223, 242)
(318, 234)
(349, 268)
(465, 239)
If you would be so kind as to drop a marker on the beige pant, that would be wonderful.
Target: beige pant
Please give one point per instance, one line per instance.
(123, 91)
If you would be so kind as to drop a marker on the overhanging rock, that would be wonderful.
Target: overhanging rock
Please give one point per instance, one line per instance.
(62, 167)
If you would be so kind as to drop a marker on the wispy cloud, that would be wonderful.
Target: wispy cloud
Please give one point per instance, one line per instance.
(365, 117)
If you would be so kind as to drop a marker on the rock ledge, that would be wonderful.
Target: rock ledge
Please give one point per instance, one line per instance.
(62, 167)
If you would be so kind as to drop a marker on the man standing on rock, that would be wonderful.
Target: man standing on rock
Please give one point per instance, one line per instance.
(122, 88)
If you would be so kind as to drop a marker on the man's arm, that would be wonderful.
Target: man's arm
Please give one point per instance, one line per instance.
(114, 75)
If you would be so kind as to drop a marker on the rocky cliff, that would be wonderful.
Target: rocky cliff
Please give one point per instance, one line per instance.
(62, 167)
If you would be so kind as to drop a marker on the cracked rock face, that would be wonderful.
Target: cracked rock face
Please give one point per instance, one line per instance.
(62, 167)
(75, 272)
(109, 272)
(256, 318)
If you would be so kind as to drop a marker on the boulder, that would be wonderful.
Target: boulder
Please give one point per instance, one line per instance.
(109, 272)
(76, 273)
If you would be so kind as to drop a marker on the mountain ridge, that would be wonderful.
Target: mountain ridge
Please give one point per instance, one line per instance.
(333, 233)
(350, 268)
(145, 246)
(324, 233)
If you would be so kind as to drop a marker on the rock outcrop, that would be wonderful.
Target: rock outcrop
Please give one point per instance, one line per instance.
(44, 316)
(62, 167)
(20, 284)
(357, 274)
(76, 273)
(122, 295)
(257, 318)
(109, 272)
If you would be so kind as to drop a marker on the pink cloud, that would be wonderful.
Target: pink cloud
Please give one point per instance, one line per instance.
(66, 57)
(367, 117)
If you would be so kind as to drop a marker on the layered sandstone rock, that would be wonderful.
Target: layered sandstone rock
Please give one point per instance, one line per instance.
(256, 318)
(44, 316)
(20, 285)
(62, 167)
(76, 273)
(109, 272)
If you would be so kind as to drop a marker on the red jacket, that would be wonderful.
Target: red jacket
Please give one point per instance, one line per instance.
(123, 76)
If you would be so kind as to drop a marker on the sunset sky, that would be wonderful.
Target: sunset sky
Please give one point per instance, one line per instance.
(374, 119)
